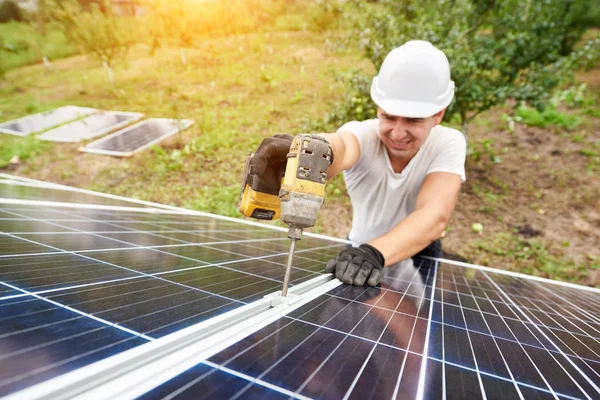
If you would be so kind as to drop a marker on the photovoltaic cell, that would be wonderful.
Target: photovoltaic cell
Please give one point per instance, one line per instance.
(435, 330)
(372, 343)
(26, 192)
(141, 275)
(40, 340)
(91, 127)
(39, 122)
(128, 141)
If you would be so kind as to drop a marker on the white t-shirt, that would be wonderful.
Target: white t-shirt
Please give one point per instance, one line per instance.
(382, 198)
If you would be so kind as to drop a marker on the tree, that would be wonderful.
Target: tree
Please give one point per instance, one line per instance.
(498, 50)
(98, 32)
(173, 21)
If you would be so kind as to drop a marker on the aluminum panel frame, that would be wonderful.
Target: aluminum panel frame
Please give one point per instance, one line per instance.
(184, 124)
(61, 134)
(79, 112)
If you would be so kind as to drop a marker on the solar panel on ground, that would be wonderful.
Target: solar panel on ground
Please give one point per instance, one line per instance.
(39, 122)
(128, 141)
(79, 285)
(91, 127)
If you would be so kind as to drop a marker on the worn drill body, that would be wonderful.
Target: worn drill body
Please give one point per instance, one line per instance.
(302, 191)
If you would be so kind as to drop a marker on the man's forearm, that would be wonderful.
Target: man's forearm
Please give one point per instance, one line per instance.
(410, 236)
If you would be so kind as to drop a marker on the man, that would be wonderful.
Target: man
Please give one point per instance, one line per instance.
(403, 170)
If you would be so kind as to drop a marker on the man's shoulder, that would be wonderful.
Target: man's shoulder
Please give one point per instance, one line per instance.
(441, 134)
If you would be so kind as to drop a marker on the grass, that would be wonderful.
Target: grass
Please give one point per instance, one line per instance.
(237, 90)
(23, 44)
(549, 117)
(240, 89)
(531, 255)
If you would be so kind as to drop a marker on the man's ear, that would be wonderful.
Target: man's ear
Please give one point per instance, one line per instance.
(439, 116)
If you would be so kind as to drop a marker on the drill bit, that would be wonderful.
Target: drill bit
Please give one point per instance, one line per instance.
(288, 269)
(294, 233)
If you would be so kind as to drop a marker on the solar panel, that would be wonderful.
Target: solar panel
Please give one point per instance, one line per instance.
(39, 122)
(91, 127)
(82, 288)
(128, 141)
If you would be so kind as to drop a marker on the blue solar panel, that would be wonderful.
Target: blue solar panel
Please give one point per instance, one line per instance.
(79, 285)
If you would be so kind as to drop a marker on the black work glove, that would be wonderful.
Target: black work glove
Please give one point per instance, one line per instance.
(268, 163)
(355, 265)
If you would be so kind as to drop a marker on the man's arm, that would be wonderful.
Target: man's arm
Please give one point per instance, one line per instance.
(435, 203)
(346, 151)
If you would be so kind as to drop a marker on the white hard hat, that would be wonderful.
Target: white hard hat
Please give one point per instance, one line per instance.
(413, 81)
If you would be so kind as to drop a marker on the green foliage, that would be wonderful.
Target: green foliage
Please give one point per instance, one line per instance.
(355, 104)
(10, 11)
(95, 31)
(478, 150)
(181, 23)
(22, 147)
(24, 44)
(533, 256)
(548, 117)
(496, 53)
(222, 200)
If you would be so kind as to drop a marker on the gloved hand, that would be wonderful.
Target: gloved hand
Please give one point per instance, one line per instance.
(355, 265)
(268, 162)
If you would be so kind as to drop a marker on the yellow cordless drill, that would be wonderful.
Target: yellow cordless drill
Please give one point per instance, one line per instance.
(301, 195)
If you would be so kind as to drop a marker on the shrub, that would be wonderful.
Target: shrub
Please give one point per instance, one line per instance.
(497, 50)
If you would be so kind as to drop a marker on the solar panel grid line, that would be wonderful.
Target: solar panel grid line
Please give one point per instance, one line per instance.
(556, 302)
(500, 302)
(571, 350)
(209, 339)
(443, 336)
(133, 245)
(397, 388)
(569, 321)
(549, 387)
(470, 342)
(237, 241)
(423, 371)
(295, 394)
(167, 207)
(153, 249)
(354, 382)
(282, 358)
(59, 204)
(582, 310)
(135, 277)
(576, 354)
(135, 271)
(472, 309)
(75, 310)
(45, 368)
(254, 381)
(497, 301)
(510, 373)
(515, 274)
(552, 342)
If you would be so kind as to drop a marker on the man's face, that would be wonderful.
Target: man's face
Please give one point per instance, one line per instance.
(402, 136)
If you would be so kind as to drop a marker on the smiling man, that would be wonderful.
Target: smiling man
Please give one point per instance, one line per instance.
(403, 170)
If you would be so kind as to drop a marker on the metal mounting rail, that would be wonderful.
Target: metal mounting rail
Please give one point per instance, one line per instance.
(134, 372)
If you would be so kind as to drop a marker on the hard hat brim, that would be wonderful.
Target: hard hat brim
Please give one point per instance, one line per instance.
(411, 109)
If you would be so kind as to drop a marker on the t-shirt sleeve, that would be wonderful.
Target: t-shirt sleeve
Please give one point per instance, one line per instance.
(367, 134)
(450, 154)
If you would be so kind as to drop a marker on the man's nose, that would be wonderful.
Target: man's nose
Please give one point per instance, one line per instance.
(399, 132)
